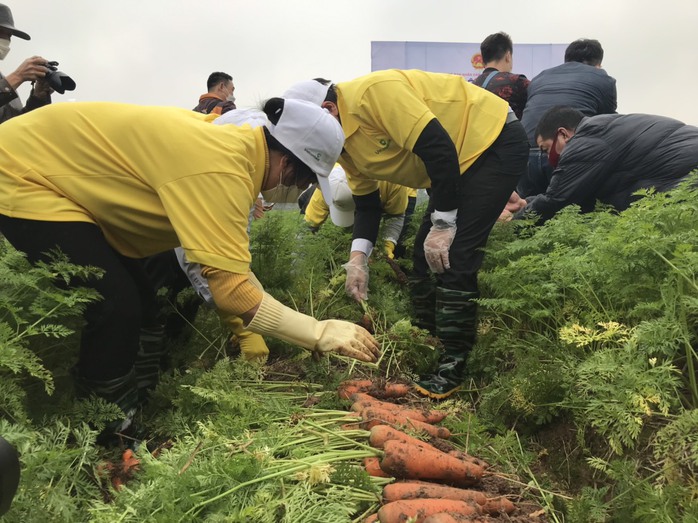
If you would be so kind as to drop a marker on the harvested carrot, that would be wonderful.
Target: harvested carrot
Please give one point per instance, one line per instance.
(373, 518)
(382, 433)
(373, 467)
(405, 461)
(350, 426)
(395, 390)
(372, 417)
(452, 517)
(424, 489)
(420, 509)
(349, 387)
(467, 457)
(426, 416)
(497, 506)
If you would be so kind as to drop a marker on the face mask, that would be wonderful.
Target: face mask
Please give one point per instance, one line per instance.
(553, 155)
(282, 194)
(4, 48)
(231, 98)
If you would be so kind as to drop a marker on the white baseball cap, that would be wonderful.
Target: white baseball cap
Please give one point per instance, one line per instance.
(337, 195)
(311, 133)
(250, 116)
(309, 90)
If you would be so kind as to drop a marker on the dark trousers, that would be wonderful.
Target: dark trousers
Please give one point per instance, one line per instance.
(537, 177)
(483, 192)
(110, 338)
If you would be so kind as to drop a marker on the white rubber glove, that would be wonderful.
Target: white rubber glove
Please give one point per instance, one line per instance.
(276, 320)
(438, 242)
(357, 277)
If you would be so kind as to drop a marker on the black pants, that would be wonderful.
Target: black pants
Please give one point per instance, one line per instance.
(483, 192)
(110, 338)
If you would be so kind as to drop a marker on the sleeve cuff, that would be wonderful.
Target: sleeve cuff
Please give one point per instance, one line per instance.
(360, 244)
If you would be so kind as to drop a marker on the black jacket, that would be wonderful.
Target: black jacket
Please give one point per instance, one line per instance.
(611, 156)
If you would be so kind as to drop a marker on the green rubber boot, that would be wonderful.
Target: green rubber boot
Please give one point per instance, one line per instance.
(456, 327)
(423, 293)
(120, 391)
(150, 359)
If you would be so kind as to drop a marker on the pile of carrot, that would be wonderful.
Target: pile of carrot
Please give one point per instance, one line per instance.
(432, 484)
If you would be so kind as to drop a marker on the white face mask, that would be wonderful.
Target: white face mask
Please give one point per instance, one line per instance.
(4, 48)
(282, 194)
(231, 98)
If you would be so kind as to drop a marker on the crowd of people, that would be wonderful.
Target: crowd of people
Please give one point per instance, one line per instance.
(177, 212)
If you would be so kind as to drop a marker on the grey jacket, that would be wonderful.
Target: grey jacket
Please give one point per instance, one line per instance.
(584, 87)
(11, 106)
(612, 156)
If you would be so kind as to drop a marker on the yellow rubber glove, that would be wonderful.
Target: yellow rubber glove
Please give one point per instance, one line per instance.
(389, 249)
(253, 348)
(275, 319)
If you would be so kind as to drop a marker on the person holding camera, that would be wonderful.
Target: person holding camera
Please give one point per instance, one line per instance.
(33, 70)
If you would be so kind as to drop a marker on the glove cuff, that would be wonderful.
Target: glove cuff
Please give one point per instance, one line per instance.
(274, 319)
(444, 219)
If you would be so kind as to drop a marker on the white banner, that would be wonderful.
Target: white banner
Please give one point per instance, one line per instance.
(460, 58)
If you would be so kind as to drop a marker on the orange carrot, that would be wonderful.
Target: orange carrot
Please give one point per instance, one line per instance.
(373, 518)
(372, 417)
(346, 392)
(373, 468)
(350, 426)
(426, 416)
(405, 461)
(382, 433)
(349, 387)
(424, 489)
(452, 517)
(497, 506)
(467, 457)
(395, 390)
(420, 509)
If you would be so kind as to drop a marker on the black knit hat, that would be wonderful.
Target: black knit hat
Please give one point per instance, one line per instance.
(7, 22)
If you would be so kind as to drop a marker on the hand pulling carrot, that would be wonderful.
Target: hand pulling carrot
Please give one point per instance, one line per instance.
(420, 509)
(372, 417)
(405, 461)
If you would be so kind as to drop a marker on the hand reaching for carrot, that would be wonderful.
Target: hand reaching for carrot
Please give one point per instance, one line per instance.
(347, 339)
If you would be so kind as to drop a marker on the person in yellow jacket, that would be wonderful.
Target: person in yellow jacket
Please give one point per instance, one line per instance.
(109, 183)
(463, 144)
(339, 206)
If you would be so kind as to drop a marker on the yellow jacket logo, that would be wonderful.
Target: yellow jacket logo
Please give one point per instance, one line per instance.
(384, 145)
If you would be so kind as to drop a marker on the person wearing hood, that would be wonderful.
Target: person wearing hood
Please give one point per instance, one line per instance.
(220, 97)
(33, 70)
(106, 201)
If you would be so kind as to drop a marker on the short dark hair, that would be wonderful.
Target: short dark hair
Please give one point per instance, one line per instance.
(556, 117)
(495, 46)
(274, 108)
(585, 51)
(215, 78)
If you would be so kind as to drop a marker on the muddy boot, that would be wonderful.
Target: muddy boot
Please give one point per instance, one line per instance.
(423, 293)
(120, 391)
(150, 359)
(456, 327)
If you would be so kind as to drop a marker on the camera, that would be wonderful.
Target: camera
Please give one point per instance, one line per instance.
(58, 80)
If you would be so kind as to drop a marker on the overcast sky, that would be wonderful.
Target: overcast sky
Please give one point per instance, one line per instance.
(161, 51)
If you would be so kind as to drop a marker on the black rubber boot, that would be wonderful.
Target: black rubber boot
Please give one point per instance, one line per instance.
(120, 391)
(150, 359)
(456, 328)
(423, 293)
